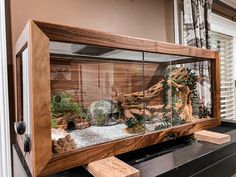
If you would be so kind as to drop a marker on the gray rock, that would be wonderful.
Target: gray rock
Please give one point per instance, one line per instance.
(103, 112)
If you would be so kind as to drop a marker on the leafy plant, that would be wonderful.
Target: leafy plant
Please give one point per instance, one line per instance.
(178, 121)
(165, 96)
(130, 123)
(62, 104)
(133, 122)
(163, 126)
(54, 123)
(204, 112)
(168, 123)
(190, 82)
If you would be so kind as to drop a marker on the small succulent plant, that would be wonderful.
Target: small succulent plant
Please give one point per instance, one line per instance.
(204, 112)
(175, 121)
(134, 121)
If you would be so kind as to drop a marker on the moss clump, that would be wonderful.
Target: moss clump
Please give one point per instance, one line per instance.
(62, 104)
(54, 123)
(101, 119)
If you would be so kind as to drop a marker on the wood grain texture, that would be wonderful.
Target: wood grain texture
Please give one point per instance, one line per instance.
(18, 79)
(36, 38)
(84, 156)
(111, 167)
(216, 88)
(212, 137)
(87, 36)
(39, 86)
(23, 39)
(41, 123)
(93, 80)
(21, 45)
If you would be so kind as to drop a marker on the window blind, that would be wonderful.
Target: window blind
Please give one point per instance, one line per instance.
(224, 44)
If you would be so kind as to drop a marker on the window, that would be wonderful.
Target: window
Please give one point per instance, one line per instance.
(223, 40)
(224, 44)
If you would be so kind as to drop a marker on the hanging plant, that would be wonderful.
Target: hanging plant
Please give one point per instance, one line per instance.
(165, 96)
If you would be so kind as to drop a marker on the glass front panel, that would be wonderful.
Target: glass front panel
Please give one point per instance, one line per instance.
(96, 94)
(179, 90)
(101, 94)
(157, 94)
(199, 82)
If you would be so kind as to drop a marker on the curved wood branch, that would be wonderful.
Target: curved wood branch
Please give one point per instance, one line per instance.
(152, 92)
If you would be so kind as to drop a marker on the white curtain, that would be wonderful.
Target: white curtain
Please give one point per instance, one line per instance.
(197, 30)
(197, 33)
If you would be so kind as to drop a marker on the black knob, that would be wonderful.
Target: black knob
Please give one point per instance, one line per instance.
(20, 127)
(26, 143)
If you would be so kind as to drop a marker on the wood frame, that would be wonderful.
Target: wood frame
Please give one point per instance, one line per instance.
(36, 37)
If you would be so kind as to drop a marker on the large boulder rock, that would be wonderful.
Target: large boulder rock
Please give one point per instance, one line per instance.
(103, 112)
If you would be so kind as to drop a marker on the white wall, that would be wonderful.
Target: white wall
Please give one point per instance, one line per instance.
(5, 159)
(151, 19)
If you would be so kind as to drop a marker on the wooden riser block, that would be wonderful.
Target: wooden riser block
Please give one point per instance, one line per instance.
(111, 167)
(212, 137)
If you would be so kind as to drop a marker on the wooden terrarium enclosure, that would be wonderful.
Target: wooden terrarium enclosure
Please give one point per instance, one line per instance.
(83, 95)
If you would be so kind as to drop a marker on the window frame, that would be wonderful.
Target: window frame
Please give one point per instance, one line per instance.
(222, 25)
(218, 24)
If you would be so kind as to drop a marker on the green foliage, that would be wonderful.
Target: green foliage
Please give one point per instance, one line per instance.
(169, 123)
(176, 119)
(62, 104)
(133, 122)
(190, 82)
(54, 123)
(165, 96)
(101, 119)
(174, 113)
(139, 118)
(163, 126)
(204, 112)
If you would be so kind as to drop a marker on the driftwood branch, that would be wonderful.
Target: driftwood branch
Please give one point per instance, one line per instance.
(133, 101)
(152, 92)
